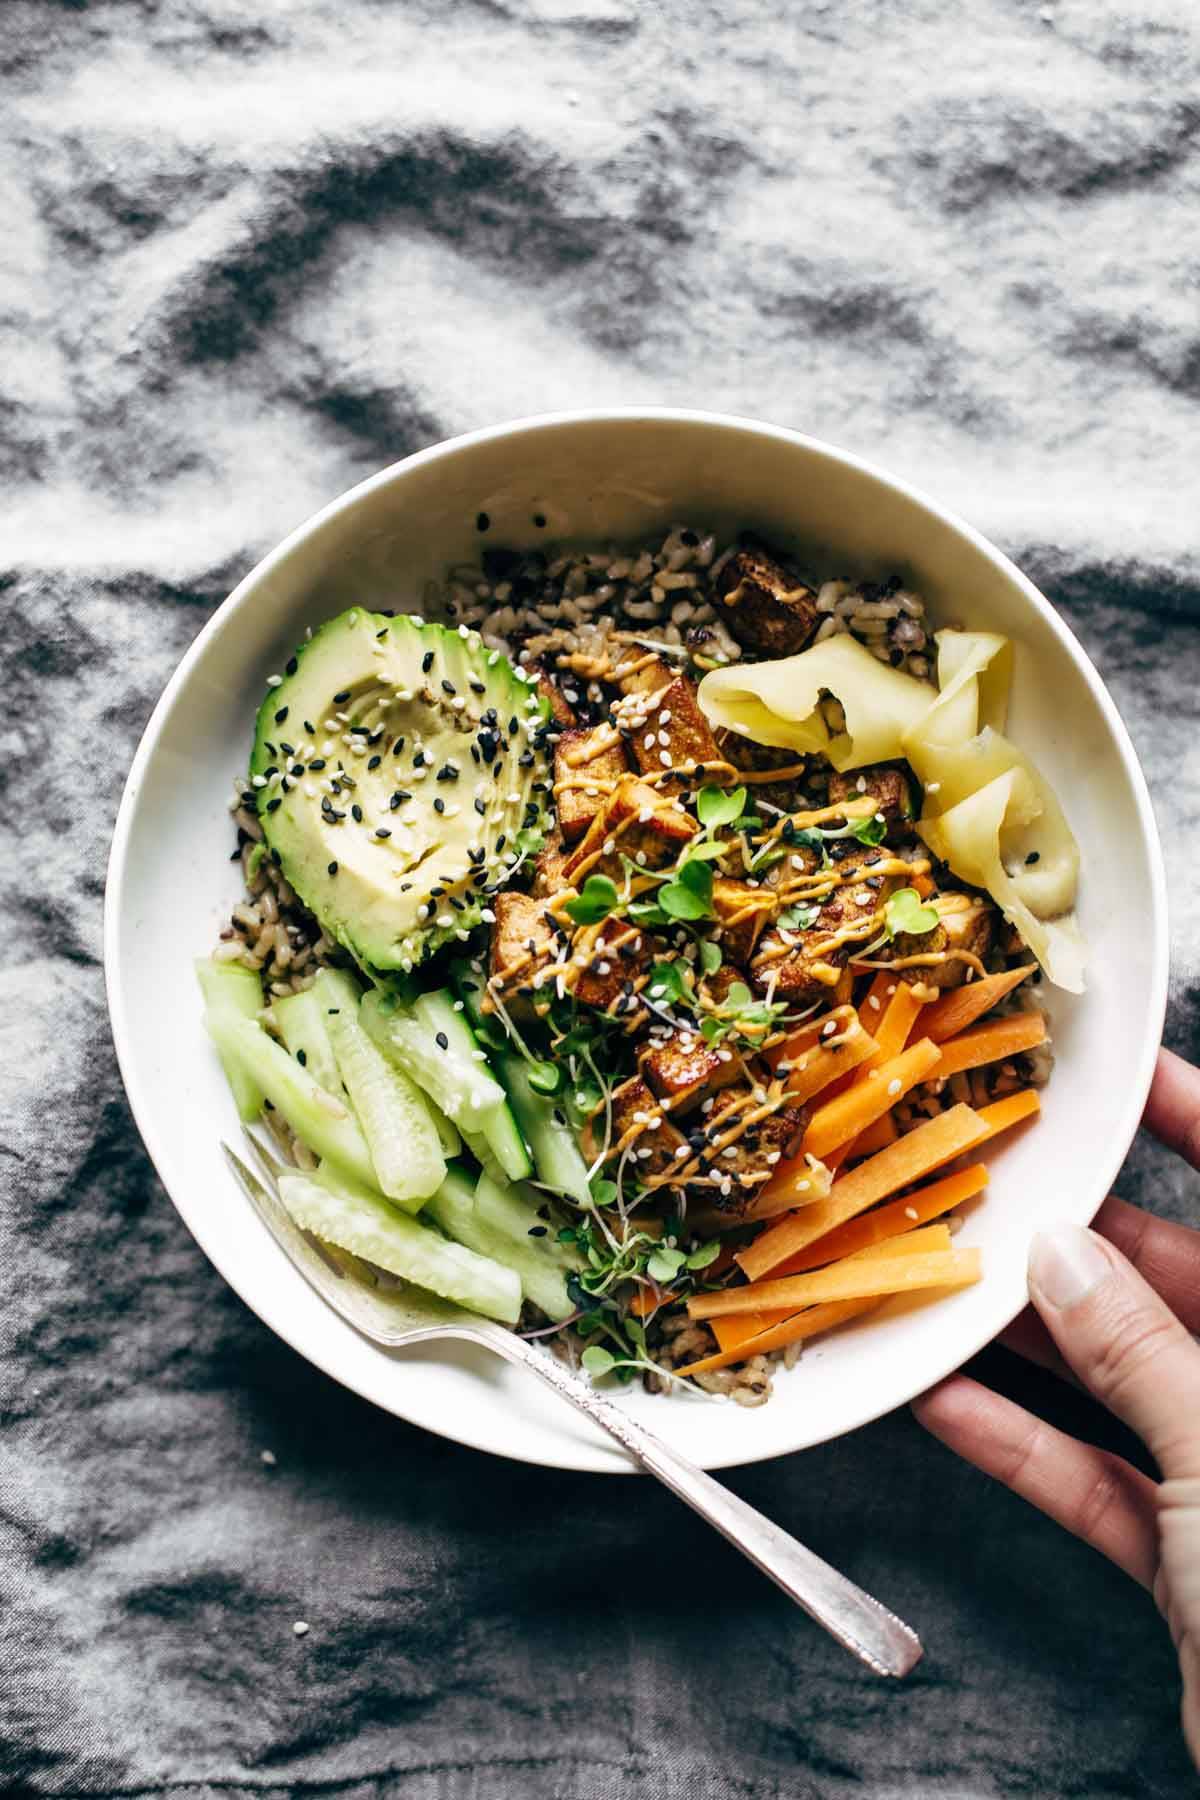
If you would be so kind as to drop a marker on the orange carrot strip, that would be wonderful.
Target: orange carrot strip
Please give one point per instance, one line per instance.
(876, 1137)
(733, 1329)
(901, 1011)
(816, 1067)
(961, 1007)
(852, 1279)
(793, 1330)
(998, 1115)
(946, 1135)
(837, 1121)
(886, 1222)
(992, 1042)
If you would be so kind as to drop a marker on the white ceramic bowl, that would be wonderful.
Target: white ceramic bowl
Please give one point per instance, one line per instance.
(625, 475)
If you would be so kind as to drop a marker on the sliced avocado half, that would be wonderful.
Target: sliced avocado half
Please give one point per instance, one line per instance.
(400, 774)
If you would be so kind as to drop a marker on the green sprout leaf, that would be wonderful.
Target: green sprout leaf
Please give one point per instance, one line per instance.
(596, 900)
(869, 831)
(906, 913)
(604, 1192)
(710, 956)
(664, 1265)
(739, 995)
(707, 1253)
(689, 896)
(799, 918)
(597, 1360)
(669, 981)
(719, 806)
(545, 1078)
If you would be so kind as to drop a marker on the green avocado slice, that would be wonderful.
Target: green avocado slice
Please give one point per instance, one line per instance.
(400, 773)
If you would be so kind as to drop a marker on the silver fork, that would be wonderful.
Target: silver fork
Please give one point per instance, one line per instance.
(396, 1317)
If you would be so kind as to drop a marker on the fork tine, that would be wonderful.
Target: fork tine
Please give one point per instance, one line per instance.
(267, 1161)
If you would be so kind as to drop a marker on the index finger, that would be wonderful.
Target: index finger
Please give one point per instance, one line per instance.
(1173, 1109)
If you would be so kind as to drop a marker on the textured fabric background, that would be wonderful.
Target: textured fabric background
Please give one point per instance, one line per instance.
(250, 254)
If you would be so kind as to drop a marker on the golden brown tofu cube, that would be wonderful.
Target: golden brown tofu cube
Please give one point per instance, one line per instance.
(641, 672)
(969, 924)
(685, 1070)
(587, 766)
(742, 910)
(891, 789)
(638, 822)
(757, 759)
(766, 605)
(560, 711)
(619, 956)
(800, 970)
(674, 733)
(524, 944)
(639, 1126)
(755, 1153)
(551, 860)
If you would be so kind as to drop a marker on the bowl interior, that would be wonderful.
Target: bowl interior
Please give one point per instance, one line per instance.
(623, 477)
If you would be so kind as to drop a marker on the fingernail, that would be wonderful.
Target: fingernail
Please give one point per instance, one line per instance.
(1065, 1264)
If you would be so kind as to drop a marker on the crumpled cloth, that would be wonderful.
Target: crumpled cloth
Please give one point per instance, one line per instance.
(249, 255)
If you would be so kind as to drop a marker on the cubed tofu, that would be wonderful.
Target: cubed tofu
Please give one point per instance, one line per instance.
(635, 819)
(890, 787)
(752, 1157)
(524, 944)
(619, 957)
(674, 733)
(560, 711)
(548, 876)
(641, 672)
(587, 766)
(638, 1124)
(802, 968)
(684, 1070)
(787, 794)
(970, 925)
(765, 604)
(742, 910)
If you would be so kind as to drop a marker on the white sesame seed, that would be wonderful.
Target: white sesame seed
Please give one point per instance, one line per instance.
(301, 1628)
(487, 915)
(802, 1187)
(664, 738)
(648, 740)
(680, 1150)
(610, 845)
(445, 920)
(664, 717)
(274, 680)
(893, 1087)
(910, 1212)
(873, 1001)
(664, 757)
(861, 784)
(258, 781)
(773, 1156)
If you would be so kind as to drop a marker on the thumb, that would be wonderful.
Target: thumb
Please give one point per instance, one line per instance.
(1123, 1343)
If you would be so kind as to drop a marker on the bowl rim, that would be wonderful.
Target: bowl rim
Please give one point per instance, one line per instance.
(225, 616)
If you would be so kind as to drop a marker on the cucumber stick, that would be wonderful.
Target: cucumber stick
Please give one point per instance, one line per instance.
(497, 1124)
(542, 1280)
(514, 1212)
(556, 1154)
(396, 1123)
(346, 1214)
(325, 1123)
(302, 1026)
(458, 1084)
(235, 993)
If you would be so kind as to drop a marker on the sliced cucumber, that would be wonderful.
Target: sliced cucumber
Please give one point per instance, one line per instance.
(514, 1212)
(235, 993)
(461, 1086)
(556, 1153)
(355, 1219)
(325, 1124)
(448, 1137)
(391, 1109)
(496, 1124)
(303, 1028)
(542, 1281)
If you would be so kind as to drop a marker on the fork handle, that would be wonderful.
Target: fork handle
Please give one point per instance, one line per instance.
(859, 1623)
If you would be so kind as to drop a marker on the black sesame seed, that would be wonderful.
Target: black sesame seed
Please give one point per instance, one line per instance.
(302, 1058)
(447, 773)
(318, 763)
(291, 665)
(539, 520)
(482, 521)
(374, 762)
(419, 759)
(383, 831)
(1034, 856)
(274, 805)
(448, 687)
(439, 805)
(286, 785)
(480, 807)
(441, 1040)
(500, 842)
(456, 904)
(525, 760)
(310, 728)
(288, 749)
(356, 813)
(398, 746)
(435, 893)
(478, 687)
(297, 770)
(383, 633)
(332, 869)
(340, 699)
(537, 1231)
(427, 662)
(689, 538)
(514, 725)
(281, 715)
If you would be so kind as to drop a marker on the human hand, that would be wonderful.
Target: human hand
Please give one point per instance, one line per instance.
(1115, 1307)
